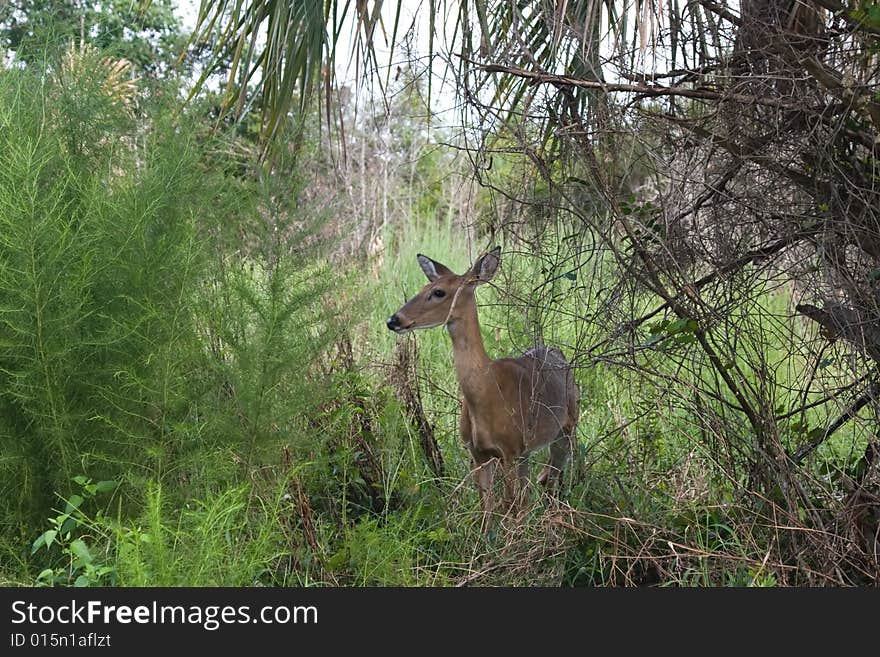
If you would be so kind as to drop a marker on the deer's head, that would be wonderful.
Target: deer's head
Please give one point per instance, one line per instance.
(447, 296)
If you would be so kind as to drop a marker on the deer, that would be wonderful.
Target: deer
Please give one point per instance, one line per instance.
(510, 407)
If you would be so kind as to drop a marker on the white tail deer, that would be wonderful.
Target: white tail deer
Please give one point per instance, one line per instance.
(511, 406)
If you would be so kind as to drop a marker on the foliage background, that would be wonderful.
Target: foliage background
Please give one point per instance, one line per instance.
(196, 385)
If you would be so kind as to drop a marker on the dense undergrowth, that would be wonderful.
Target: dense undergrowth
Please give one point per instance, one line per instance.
(191, 393)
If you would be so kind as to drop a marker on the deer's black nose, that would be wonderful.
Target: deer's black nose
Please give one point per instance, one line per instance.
(393, 322)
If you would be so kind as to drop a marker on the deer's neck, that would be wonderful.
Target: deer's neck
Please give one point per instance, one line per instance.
(471, 360)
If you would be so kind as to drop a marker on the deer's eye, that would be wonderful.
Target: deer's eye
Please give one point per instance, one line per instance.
(438, 293)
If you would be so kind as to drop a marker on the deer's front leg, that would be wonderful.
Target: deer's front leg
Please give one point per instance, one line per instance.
(484, 472)
(484, 467)
(516, 472)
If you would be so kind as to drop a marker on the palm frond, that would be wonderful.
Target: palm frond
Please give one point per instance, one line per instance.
(277, 48)
(280, 48)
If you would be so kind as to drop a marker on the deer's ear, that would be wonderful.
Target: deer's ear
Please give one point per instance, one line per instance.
(486, 266)
(433, 269)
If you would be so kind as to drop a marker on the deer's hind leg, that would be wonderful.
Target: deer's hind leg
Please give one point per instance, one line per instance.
(561, 448)
(571, 427)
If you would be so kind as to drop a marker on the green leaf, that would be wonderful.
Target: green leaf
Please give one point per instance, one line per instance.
(682, 326)
(46, 538)
(338, 560)
(69, 524)
(82, 581)
(653, 339)
(46, 575)
(73, 503)
(658, 327)
(106, 486)
(81, 480)
(440, 534)
(81, 551)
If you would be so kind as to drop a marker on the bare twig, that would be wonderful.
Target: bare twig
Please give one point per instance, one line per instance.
(863, 400)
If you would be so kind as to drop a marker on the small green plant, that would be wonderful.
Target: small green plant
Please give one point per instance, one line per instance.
(70, 533)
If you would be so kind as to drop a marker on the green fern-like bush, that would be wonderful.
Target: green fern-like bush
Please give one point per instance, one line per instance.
(133, 345)
(98, 256)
